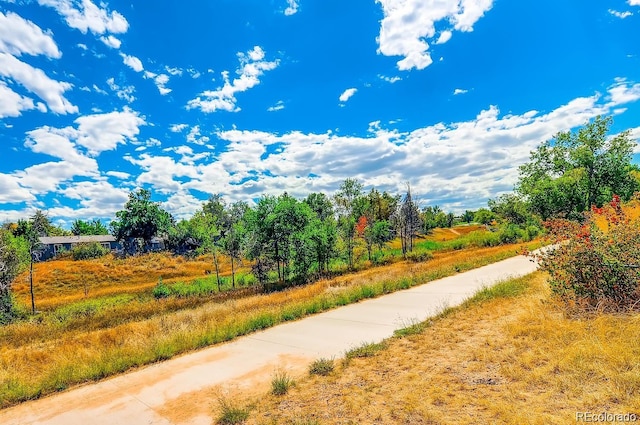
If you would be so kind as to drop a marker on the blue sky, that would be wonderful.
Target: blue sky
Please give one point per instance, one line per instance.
(253, 97)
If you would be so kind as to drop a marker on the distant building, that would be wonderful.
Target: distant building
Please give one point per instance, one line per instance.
(54, 245)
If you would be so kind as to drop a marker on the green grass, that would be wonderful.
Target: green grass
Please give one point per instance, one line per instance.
(231, 414)
(322, 367)
(281, 382)
(368, 349)
(506, 289)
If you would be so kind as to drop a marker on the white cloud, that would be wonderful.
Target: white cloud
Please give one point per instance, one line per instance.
(82, 46)
(277, 107)
(173, 71)
(160, 171)
(194, 73)
(196, 137)
(11, 103)
(252, 67)
(391, 80)
(37, 82)
(444, 37)
(102, 132)
(346, 95)
(623, 92)
(124, 92)
(85, 16)
(111, 41)
(160, 81)
(292, 7)
(118, 174)
(96, 133)
(620, 15)
(409, 25)
(177, 128)
(634, 2)
(12, 192)
(459, 91)
(132, 62)
(463, 162)
(18, 36)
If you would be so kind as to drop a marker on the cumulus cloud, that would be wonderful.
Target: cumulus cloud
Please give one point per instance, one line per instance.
(11, 103)
(173, 71)
(177, 128)
(444, 37)
(252, 66)
(196, 137)
(292, 7)
(459, 91)
(460, 163)
(409, 25)
(111, 41)
(391, 80)
(123, 92)
(12, 192)
(74, 149)
(346, 95)
(18, 36)
(86, 16)
(620, 15)
(132, 62)
(634, 2)
(37, 82)
(160, 81)
(95, 133)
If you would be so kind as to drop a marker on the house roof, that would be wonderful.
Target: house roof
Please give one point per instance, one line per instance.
(76, 239)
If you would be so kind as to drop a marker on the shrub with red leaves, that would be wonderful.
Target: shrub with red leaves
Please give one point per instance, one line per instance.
(596, 264)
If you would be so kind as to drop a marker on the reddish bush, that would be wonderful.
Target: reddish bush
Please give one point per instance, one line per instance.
(596, 264)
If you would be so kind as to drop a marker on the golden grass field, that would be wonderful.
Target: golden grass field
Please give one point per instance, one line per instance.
(513, 358)
(60, 282)
(91, 339)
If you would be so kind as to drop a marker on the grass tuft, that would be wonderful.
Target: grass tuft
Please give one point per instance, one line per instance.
(368, 349)
(231, 414)
(322, 367)
(281, 382)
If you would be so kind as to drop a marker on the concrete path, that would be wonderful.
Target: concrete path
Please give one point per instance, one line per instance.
(168, 392)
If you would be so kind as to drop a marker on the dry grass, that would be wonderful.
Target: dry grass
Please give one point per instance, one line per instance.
(42, 356)
(515, 360)
(60, 282)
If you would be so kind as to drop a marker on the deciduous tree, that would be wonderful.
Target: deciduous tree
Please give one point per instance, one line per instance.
(576, 170)
(140, 221)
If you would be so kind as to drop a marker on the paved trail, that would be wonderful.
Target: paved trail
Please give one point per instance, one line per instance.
(179, 391)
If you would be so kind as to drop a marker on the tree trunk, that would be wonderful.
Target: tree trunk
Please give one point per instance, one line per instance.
(233, 274)
(215, 262)
(33, 298)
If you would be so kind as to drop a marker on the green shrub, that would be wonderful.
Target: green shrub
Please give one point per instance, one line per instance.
(88, 250)
(368, 349)
(321, 367)
(511, 233)
(381, 259)
(419, 256)
(281, 383)
(245, 279)
(231, 414)
(89, 308)
(161, 290)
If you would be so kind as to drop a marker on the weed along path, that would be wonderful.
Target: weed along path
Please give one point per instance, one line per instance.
(183, 390)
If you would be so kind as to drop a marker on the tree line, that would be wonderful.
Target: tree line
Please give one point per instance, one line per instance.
(288, 239)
